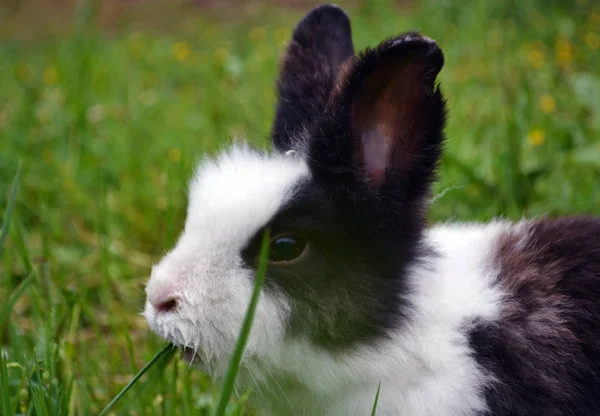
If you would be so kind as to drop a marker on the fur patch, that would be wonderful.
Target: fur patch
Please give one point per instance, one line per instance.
(544, 348)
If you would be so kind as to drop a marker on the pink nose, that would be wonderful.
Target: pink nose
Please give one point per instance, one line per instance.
(164, 300)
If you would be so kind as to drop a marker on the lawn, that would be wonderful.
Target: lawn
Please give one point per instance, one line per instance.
(107, 112)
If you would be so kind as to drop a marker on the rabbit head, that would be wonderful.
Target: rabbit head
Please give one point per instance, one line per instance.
(357, 139)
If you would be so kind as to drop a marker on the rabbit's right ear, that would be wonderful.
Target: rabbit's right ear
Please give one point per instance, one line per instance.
(321, 42)
(384, 123)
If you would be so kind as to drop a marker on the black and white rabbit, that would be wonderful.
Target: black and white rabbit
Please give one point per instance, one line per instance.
(493, 319)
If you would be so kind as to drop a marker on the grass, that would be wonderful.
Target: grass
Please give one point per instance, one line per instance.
(108, 124)
(166, 352)
(238, 351)
(374, 411)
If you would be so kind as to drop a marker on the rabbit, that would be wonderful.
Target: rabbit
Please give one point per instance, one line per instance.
(454, 319)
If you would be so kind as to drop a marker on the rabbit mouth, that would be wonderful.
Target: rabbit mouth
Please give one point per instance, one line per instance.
(191, 356)
(195, 358)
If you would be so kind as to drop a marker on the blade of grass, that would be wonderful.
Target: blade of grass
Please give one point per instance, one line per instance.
(73, 400)
(17, 237)
(37, 389)
(12, 300)
(234, 363)
(187, 408)
(167, 351)
(374, 411)
(12, 197)
(62, 407)
(5, 400)
(171, 404)
(240, 406)
(131, 353)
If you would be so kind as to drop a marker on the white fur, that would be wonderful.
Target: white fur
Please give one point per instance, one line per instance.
(424, 369)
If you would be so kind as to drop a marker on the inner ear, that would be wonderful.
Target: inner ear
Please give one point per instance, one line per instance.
(387, 117)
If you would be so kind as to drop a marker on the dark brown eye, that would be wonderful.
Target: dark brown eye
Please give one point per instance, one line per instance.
(286, 248)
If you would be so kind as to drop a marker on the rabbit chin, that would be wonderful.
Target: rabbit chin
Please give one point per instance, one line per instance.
(198, 360)
(190, 346)
(191, 356)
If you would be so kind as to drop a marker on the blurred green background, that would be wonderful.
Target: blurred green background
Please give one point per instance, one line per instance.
(109, 105)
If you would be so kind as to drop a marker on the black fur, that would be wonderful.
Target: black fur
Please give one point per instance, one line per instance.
(319, 45)
(545, 349)
(348, 289)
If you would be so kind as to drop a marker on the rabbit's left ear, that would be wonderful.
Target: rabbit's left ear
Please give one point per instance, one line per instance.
(321, 42)
(385, 120)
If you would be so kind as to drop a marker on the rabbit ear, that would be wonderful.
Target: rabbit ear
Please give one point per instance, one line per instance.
(321, 42)
(385, 119)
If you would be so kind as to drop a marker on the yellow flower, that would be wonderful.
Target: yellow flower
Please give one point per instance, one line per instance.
(536, 58)
(24, 399)
(175, 155)
(564, 52)
(593, 40)
(50, 76)
(221, 55)
(547, 103)
(281, 35)
(181, 51)
(257, 34)
(536, 137)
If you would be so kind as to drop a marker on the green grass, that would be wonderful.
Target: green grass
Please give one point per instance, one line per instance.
(108, 125)
(238, 351)
(374, 411)
(165, 353)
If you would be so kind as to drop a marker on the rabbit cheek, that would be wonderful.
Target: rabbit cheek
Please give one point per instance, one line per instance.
(342, 306)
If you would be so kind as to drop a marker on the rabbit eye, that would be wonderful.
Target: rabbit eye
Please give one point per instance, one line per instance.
(287, 248)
